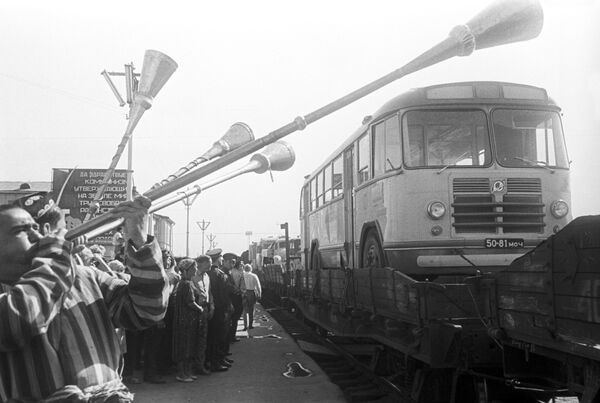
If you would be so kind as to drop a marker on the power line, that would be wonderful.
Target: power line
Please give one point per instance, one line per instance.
(63, 92)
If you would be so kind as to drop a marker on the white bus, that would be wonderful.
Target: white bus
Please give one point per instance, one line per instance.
(446, 179)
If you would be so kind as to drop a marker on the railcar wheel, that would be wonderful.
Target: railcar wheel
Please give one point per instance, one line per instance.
(372, 252)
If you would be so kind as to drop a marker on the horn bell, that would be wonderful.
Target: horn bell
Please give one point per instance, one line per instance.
(156, 71)
(277, 156)
(507, 21)
(236, 136)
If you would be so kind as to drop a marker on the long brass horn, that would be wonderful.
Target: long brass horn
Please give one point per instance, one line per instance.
(501, 23)
(278, 156)
(156, 70)
(238, 134)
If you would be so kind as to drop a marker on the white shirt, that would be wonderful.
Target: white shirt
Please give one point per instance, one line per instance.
(202, 282)
(252, 283)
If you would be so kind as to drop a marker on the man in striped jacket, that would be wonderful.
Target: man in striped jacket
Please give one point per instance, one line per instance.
(57, 319)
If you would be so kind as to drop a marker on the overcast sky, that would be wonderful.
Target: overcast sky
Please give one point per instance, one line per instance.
(262, 63)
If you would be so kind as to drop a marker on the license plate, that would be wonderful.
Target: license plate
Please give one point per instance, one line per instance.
(504, 243)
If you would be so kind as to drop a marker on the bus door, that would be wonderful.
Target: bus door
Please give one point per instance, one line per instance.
(349, 206)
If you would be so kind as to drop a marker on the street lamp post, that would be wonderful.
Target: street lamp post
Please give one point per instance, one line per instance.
(211, 240)
(249, 236)
(284, 226)
(203, 226)
(188, 201)
(131, 85)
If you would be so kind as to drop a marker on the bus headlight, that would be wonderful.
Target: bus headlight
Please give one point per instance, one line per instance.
(436, 210)
(559, 208)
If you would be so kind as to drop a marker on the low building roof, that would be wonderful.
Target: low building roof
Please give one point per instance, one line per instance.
(34, 186)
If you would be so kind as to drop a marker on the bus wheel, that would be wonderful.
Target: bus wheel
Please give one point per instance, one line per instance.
(372, 252)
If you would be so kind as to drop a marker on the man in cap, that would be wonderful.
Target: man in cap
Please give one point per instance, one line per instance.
(216, 256)
(44, 211)
(219, 323)
(202, 282)
(231, 266)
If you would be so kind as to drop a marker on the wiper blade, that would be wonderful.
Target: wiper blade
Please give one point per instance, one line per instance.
(536, 164)
(463, 155)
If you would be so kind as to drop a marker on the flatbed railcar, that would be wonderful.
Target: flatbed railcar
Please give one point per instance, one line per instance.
(529, 332)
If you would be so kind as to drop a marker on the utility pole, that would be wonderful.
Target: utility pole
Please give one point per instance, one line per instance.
(188, 201)
(249, 235)
(203, 226)
(131, 86)
(211, 240)
(284, 226)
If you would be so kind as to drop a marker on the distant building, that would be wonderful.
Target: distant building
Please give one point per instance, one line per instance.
(268, 249)
(13, 190)
(162, 230)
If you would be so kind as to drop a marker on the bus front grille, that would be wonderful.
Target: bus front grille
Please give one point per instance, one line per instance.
(519, 210)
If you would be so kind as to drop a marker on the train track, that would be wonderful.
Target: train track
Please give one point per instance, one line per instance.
(344, 360)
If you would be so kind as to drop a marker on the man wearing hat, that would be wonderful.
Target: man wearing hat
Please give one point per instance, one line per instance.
(44, 211)
(216, 256)
(231, 266)
(205, 300)
(219, 323)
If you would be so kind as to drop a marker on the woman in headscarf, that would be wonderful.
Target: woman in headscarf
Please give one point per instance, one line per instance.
(186, 321)
(165, 357)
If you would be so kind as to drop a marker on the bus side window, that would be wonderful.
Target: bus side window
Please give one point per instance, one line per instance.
(338, 176)
(393, 152)
(379, 149)
(386, 146)
(327, 183)
(302, 203)
(364, 159)
(313, 193)
(319, 189)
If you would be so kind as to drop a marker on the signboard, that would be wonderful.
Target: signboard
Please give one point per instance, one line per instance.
(78, 188)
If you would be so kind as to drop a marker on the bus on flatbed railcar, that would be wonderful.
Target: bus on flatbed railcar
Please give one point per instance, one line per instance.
(446, 179)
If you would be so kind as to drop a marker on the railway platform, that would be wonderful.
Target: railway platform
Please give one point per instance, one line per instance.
(269, 366)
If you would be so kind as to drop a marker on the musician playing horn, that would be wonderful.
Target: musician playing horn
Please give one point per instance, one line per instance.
(57, 320)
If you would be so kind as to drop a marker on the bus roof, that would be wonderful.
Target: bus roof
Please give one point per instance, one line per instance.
(470, 92)
(459, 93)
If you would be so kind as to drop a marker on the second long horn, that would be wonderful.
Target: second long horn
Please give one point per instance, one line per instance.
(238, 134)
(278, 156)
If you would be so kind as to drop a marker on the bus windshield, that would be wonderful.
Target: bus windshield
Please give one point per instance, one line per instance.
(529, 138)
(439, 138)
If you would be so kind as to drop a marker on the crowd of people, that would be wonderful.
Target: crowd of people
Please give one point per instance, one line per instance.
(208, 295)
(74, 327)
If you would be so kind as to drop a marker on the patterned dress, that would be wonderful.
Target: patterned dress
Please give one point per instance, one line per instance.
(186, 322)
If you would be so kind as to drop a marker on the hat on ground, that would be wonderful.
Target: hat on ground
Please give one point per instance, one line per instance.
(214, 253)
(230, 256)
